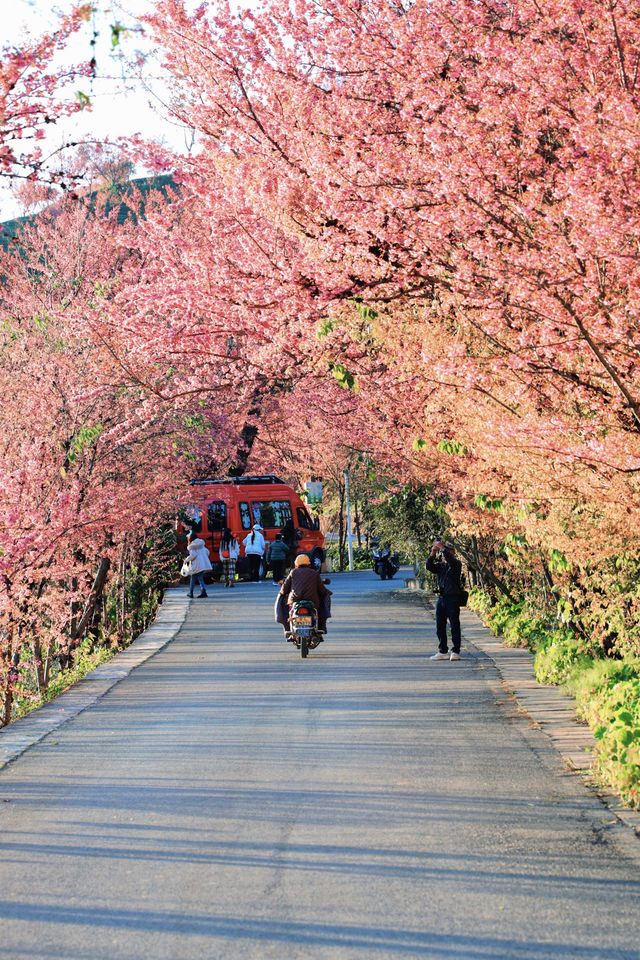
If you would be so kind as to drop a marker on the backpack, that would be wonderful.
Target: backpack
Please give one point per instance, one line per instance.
(464, 593)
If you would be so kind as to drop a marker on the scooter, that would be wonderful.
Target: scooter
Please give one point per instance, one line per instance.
(303, 626)
(304, 630)
(385, 563)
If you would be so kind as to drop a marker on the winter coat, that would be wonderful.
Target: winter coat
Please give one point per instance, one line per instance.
(234, 550)
(448, 571)
(278, 550)
(304, 583)
(198, 556)
(256, 546)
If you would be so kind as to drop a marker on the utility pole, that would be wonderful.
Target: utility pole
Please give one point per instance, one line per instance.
(349, 540)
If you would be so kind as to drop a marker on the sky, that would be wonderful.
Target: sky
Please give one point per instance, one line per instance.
(120, 106)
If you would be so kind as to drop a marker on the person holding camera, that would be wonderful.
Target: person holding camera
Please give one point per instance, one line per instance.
(444, 563)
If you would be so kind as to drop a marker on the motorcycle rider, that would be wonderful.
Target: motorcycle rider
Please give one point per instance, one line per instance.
(305, 583)
(385, 563)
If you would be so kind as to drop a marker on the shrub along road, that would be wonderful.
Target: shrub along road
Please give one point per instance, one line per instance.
(229, 800)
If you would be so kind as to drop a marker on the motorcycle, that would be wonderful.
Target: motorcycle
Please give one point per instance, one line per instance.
(303, 626)
(385, 563)
(304, 630)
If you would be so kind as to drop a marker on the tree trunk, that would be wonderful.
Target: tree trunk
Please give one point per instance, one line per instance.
(94, 596)
(356, 520)
(342, 533)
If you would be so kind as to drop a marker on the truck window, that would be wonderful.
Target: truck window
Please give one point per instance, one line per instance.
(192, 517)
(271, 514)
(245, 516)
(216, 516)
(304, 520)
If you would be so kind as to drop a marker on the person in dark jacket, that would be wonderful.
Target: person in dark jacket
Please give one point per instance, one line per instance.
(443, 562)
(305, 583)
(277, 556)
(288, 534)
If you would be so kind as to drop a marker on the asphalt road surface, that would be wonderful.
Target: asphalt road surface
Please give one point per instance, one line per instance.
(230, 800)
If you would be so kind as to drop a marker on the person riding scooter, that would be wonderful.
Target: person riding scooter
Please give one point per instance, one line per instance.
(305, 583)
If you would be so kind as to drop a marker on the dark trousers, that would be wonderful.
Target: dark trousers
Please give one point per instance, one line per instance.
(448, 608)
(254, 565)
(278, 569)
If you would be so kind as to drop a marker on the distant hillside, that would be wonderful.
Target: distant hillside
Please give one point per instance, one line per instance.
(117, 197)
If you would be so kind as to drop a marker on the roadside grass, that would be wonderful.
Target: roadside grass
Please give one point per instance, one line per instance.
(85, 659)
(606, 690)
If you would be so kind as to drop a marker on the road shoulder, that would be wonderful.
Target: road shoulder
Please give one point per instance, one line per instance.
(30, 729)
(553, 712)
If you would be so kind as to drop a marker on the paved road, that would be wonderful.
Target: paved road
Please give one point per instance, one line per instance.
(229, 800)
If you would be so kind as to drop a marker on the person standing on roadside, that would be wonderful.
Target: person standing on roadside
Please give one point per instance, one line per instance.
(277, 555)
(229, 550)
(288, 534)
(199, 563)
(254, 547)
(444, 563)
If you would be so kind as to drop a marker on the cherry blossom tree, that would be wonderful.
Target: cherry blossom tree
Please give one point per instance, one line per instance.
(91, 458)
(32, 98)
(465, 172)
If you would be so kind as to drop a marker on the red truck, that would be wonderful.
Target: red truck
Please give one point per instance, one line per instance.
(238, 503)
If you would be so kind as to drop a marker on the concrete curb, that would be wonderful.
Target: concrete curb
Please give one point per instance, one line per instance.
(549, 709)
(23, 733)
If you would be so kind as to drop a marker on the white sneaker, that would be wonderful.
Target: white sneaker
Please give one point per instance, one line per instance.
(454, 656)
(440, 656)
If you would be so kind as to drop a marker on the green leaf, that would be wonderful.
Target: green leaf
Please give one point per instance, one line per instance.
(367, 313)
(454, 448)
(324, 329)
(84, 438)
(624, 735)
(346, 379)
(83, 99)
(419, 444)
(116, 30)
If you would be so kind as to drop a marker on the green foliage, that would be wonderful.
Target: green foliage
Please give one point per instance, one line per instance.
(85, 437)
(325, 328)
(488, 503)
(609, 699)
(560, 655)
(454, 448)
(367, 313)
(116, 30)
(518, 623)
(557, 562)
(362, 558)
(607, 691)
(410, 518)
(346, 379)
(130, 604)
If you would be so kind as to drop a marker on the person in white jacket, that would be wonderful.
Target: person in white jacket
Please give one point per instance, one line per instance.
(229, 552)
(254, 547)
(199, 563)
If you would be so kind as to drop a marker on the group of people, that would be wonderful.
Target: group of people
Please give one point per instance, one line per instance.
(280, 555)
(304, 582)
